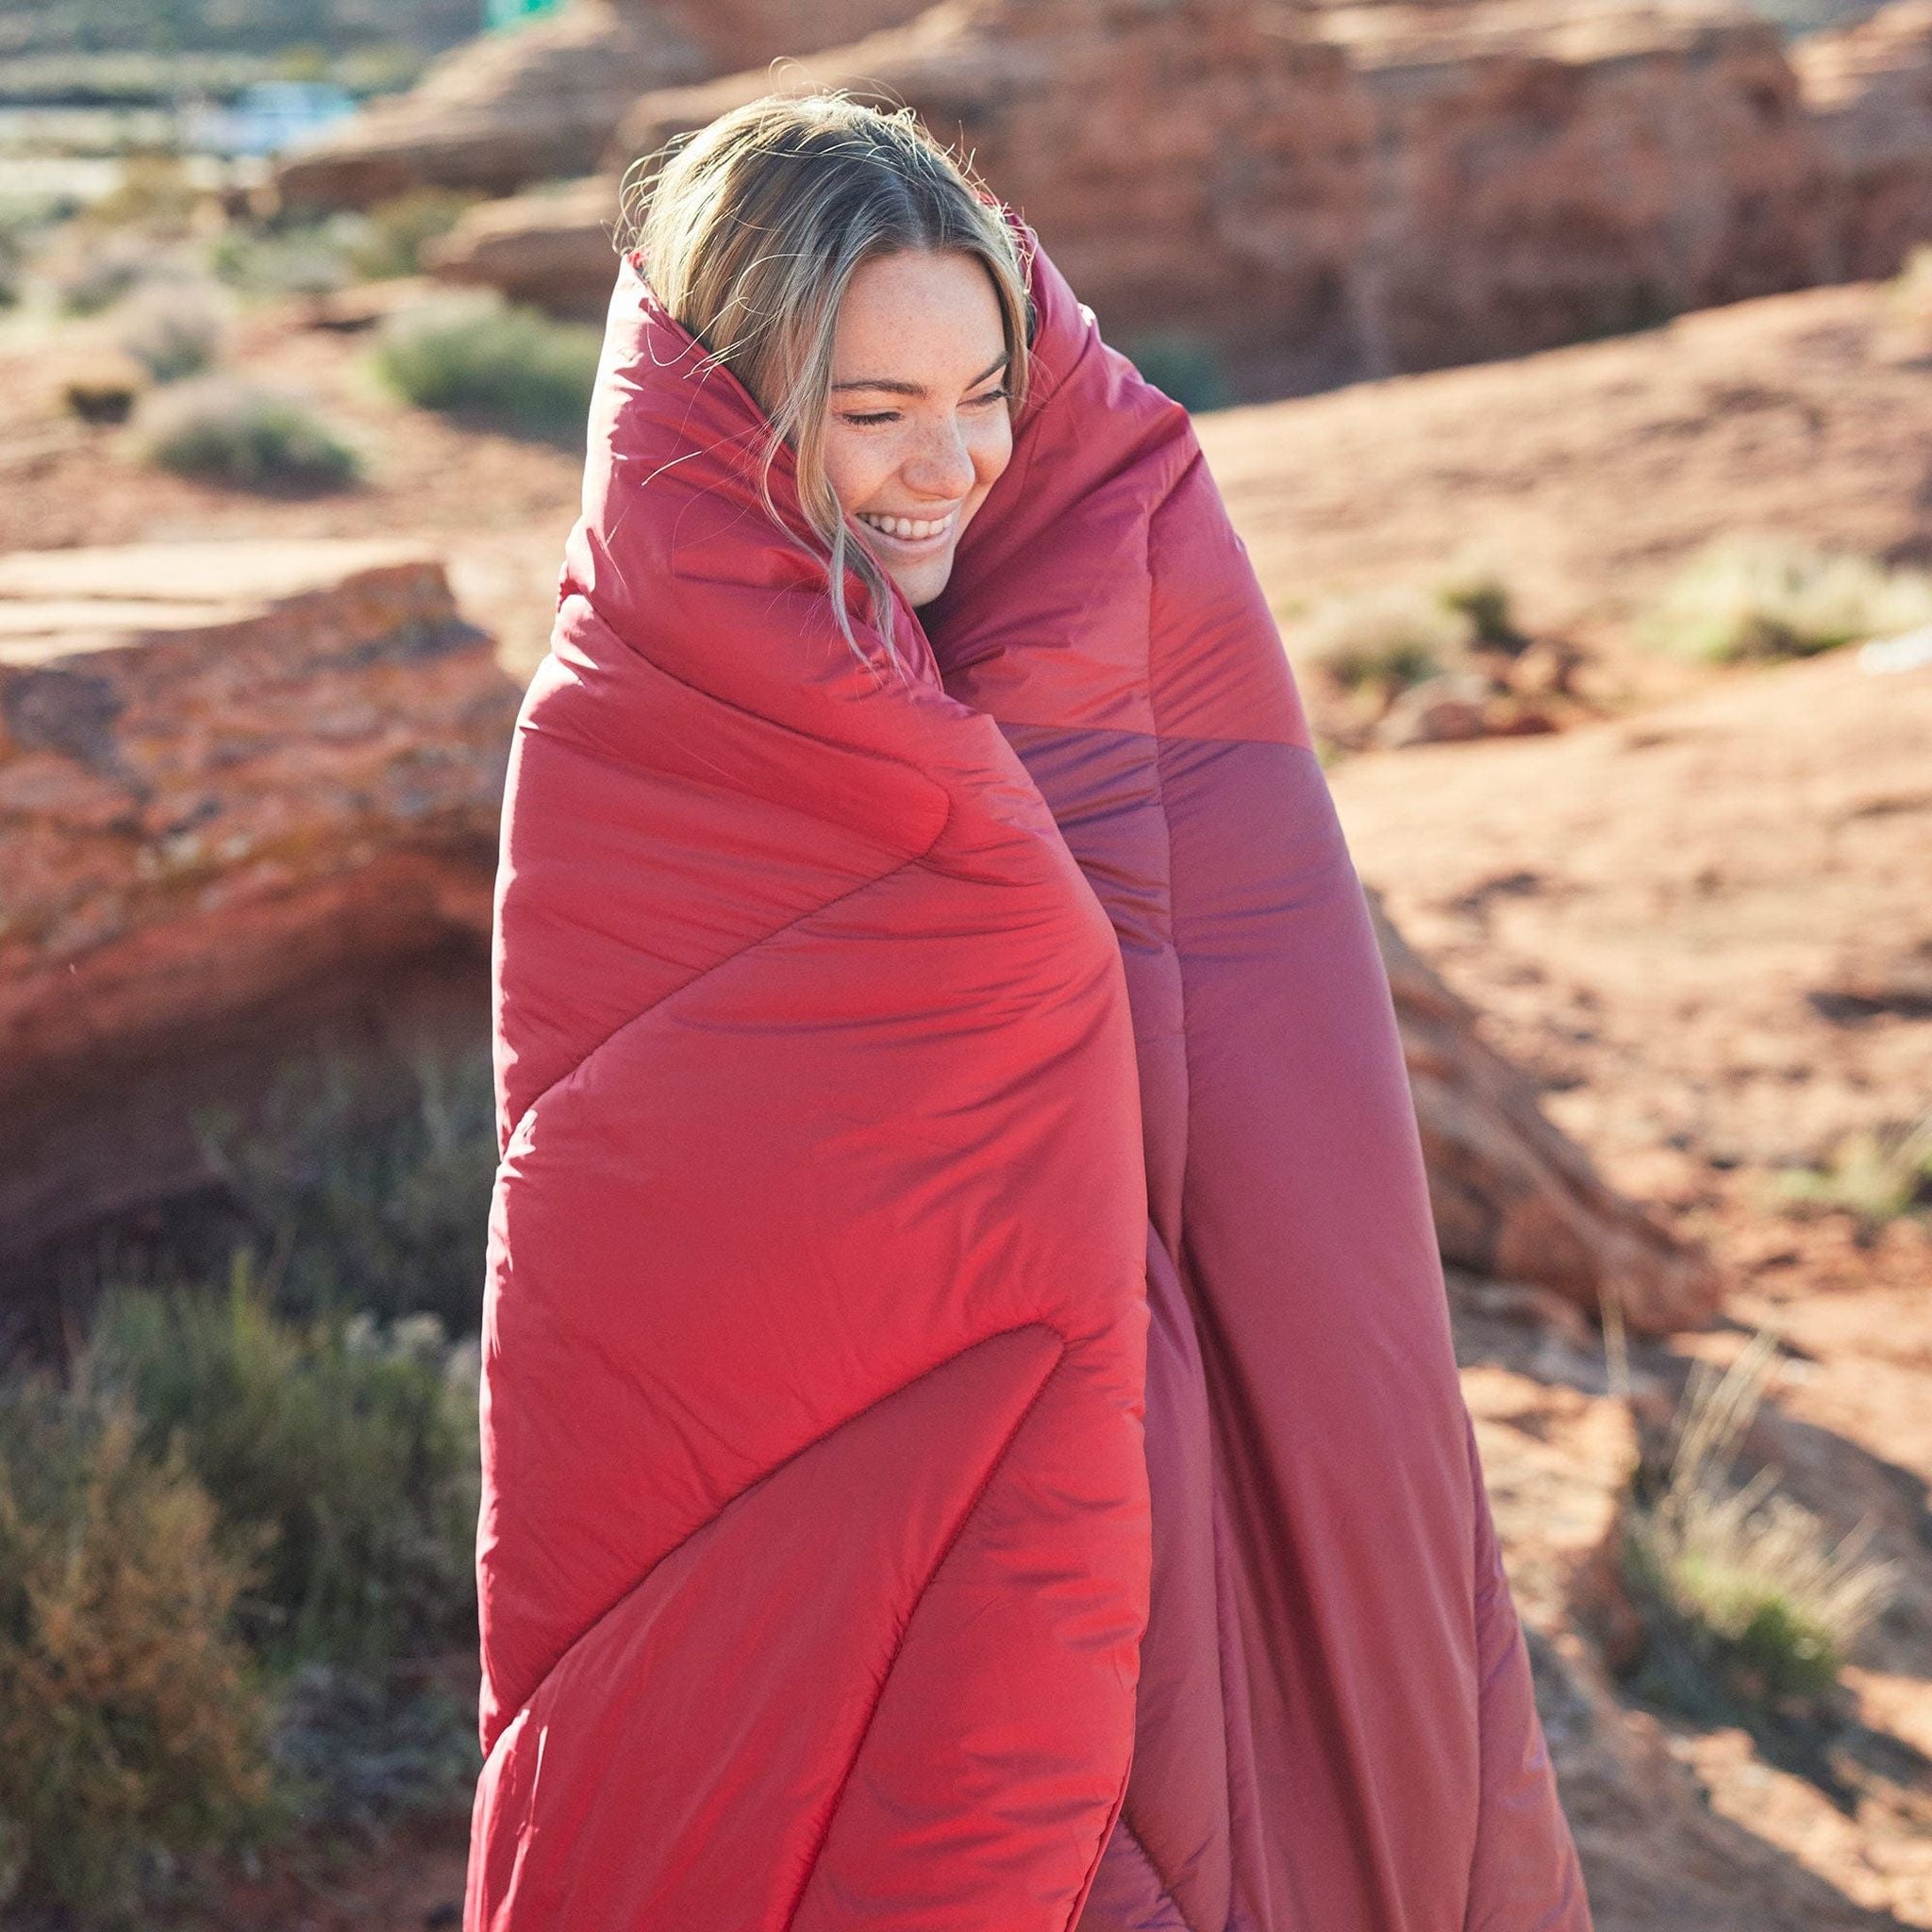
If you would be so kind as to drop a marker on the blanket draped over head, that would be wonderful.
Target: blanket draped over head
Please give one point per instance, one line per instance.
(972, 1440)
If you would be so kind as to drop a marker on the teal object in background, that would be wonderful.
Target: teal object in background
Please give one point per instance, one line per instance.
(501, 14)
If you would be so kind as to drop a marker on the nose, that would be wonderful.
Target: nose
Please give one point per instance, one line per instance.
(940, 465)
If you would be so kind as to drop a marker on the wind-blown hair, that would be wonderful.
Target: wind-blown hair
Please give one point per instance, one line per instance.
(750, 231)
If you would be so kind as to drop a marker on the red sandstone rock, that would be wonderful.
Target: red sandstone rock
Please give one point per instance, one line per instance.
(541, 102)
(1546, 173)
(227, 771)
(554, 250)
(1196, 169)
(1869, 88)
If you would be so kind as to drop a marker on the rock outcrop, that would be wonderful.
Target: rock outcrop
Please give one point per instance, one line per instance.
(1327, 193)
(1542, 174)
(542, 102)
(553, 250)
(1869, 89)
(229, 773)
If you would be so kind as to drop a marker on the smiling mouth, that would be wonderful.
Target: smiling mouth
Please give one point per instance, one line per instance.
(915, 534)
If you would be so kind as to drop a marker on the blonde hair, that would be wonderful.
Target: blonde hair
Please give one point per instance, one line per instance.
(750, 231)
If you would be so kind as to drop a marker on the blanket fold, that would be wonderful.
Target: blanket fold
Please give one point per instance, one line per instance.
(971, 1434)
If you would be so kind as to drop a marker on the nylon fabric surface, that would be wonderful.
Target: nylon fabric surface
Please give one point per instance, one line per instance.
(970, 1433)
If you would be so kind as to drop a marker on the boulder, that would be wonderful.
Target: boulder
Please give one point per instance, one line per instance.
(542, 102)
(1868, 89)
(553, 249)
(1441, 709)
(1514, 1198)
(231, 775)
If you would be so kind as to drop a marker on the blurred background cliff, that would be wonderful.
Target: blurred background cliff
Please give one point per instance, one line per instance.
(1567, 366)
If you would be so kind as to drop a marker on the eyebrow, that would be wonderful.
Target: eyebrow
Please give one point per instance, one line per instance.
(913, 389)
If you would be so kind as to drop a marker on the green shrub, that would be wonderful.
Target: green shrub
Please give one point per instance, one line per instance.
(310, 258)
(345, 1450)
(1187, 367)
(1391, 636)
(13, 254)
(172, 333)
(357, 1754)
(370, 1205)
(155, 194)
(1480, 595)
(392, 237)
(508, 365)
(1748, 1603)
(107, 271)
(223, 431)
(104, 390)
(1877, 1175)
(1747, 596)
(132, 1723)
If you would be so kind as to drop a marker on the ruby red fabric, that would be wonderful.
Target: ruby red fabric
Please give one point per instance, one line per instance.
(972, 1440)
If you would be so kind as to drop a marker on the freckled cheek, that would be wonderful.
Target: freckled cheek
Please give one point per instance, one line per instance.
(991, 453)
(859, 468)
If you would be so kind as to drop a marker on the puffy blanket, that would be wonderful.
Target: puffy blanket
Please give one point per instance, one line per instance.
(972, 1441)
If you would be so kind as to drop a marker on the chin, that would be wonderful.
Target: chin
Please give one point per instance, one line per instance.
(922, 582)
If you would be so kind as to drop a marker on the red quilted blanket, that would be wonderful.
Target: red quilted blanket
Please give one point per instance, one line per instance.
(972, 1441)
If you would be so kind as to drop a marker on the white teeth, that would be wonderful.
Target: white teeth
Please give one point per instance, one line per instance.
(913, 527)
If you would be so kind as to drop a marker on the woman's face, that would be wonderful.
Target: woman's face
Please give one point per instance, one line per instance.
(917, 428)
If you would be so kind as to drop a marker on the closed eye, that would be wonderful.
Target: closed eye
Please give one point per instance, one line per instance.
(877, 416)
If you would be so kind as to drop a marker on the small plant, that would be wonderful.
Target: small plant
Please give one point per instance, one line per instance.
(1749, 1602)
(221, 431)
(1481, 595)
(155, 194)
(1389, 637)
(344, 1451)
(503, 364)
(13, 254)
(104, 390)
(132, 1722)
(172, 334)
(1877, 1175)
(308, 259)
(356, 1754)
(1748, 596)
(25, 220)
(109, 268)
(392, 237)
(369, 1203)
(1188, 368)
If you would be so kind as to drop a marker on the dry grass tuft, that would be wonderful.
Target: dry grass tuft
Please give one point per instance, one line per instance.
(1743, 1588)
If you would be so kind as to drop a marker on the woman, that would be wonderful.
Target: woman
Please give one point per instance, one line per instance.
(972, 1438)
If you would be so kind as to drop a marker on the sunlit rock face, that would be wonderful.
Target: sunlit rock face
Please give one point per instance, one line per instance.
(542, 102)
(239, 783)
(1869, 88)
